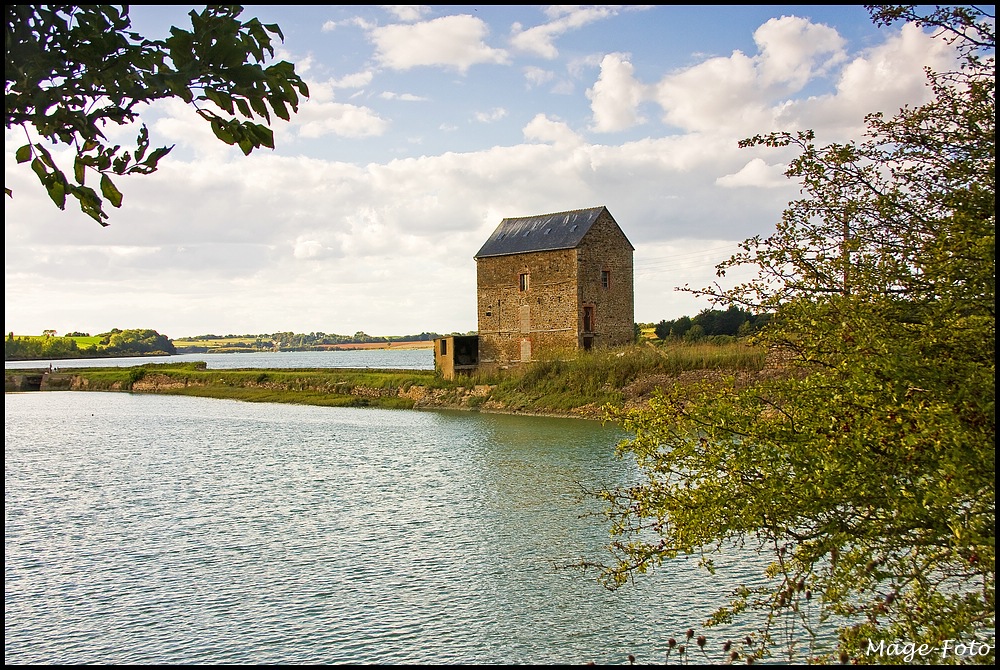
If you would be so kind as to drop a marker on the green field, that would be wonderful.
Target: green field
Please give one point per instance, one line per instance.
(215, 343)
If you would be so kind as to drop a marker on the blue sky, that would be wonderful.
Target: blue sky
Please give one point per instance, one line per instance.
(428, 124)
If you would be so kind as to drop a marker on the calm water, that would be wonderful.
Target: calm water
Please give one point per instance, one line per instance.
(401, 359)
(158, 529)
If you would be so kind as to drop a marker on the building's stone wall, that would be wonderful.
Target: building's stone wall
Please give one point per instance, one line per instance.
(515, 323)
(606, 249)
(547, 319)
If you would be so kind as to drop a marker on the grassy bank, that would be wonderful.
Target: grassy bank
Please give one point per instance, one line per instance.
(579, 387)
(595, 379)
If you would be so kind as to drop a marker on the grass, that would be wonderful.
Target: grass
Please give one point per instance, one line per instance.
(600, 377)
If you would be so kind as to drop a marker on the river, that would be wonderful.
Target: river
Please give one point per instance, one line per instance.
(154, 529)
(401, 359)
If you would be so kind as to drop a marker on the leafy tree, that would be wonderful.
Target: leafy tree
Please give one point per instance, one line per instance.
(694, 333)
(72, 70)
(138, 341)
(868, 469)
(34, 348)
(662, 329)
(681, 326)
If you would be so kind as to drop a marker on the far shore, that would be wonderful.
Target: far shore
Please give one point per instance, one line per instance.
(420, 344)
(346, 346)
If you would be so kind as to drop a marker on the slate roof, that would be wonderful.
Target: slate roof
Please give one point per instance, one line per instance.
(545, 232)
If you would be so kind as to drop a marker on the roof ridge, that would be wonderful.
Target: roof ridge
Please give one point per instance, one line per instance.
(567, 211)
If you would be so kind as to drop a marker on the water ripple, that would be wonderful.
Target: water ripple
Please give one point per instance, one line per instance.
(153, 529)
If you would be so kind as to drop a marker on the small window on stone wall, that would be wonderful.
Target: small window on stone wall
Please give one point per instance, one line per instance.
(524, 281)
(605, 278)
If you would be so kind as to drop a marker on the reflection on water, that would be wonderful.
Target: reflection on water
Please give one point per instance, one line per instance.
(160, 529)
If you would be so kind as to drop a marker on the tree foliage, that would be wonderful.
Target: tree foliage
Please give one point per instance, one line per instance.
(731, 321)
(868, 469)
(116, 342)
(135, 341)
(73, 70)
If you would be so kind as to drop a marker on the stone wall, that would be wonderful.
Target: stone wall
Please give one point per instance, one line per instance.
(605, 249)
(514, 324)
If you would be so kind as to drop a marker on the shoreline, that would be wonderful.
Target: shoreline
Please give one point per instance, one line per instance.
(337, 387)
(626, 379)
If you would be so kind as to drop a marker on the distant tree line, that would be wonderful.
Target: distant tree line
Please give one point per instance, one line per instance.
(289, 341)
(734, 322)
(116, 342)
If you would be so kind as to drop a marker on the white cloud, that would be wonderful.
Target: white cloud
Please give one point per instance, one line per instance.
(717, 95)
(407, 12)
(333, 118)
(793, 50)
(356, 80)
(615, 96)
(405, 97)
(492, 115)
(543, 129)
(756, 173)
(456, 41)
(310, 249)
(539, 40)
(353, 22)
(743, 95)
(536, 76)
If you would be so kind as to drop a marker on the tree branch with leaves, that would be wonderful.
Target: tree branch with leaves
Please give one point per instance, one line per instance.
(74, 70)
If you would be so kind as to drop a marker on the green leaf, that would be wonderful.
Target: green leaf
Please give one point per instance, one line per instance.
(257, 104)
(39, 169)
(262, 135)
(220, 98)
(90, 203)
(79, 170)
(154, 158)
(222, 131)
(278, 104)
(244, 108)
(43, 154)
(57, 192)
(142, 143)
(110, 191)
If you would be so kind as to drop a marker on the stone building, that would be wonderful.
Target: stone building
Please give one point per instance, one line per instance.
(548, 286)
